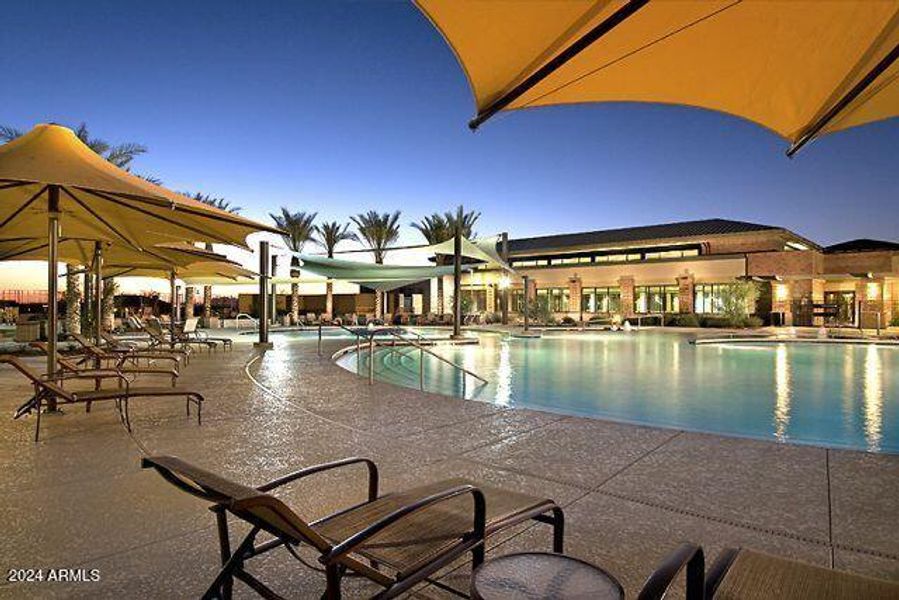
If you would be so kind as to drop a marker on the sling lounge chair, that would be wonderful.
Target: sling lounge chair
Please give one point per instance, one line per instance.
(47, 388)
(69, 366)
(120, 355)
(191, 333)
(160, 339)
(742, 574)
(396, 540)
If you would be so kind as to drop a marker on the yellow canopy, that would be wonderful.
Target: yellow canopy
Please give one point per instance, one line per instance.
(98, 200)
(800, 68)
(206, 272)
(81, 252)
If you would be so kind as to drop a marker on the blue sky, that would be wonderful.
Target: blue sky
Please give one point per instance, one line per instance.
(339, 107)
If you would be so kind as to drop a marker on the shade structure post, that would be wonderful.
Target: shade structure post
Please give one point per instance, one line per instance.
(263, 296)
(52, 284)
(173, 288)
(457, 275)
(525, 302)
(273, 299)
(504, 297)
(98, 292)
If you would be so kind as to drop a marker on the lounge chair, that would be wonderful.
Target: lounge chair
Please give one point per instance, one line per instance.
(45, 389)
(119, 354)
(742, 574)
(177, 342)
(396, 540)
(191, 333)
(69, 366)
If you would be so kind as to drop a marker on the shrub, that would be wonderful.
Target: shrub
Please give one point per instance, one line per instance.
(539, 312)
(894, 322)
(753, 322)
(738, 301)
(686, 320)
(569, 321)
(491, 317)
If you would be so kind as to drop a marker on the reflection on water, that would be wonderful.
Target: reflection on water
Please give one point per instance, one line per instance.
(873, 399)
(782, 391)
(504, 376)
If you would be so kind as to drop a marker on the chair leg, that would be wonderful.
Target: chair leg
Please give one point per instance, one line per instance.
(37, 426)
(558, 530)
(477, 555)
(233, 563)
(221, 519)
(332, 576)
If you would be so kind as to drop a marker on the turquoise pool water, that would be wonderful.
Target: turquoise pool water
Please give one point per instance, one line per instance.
(831, 395)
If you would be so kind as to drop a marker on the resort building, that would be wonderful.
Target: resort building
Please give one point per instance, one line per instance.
(683, 267)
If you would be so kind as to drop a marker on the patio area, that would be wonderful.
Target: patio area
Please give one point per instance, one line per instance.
(79, 499)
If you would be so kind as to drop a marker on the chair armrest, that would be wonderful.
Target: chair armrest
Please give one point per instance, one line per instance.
(479, 520)
(372, 474)
(686, 555)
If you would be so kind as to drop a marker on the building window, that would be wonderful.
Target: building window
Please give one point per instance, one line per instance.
(656, 299)
(517, 300)
(707, 297)
(556, 298)
(601, 300)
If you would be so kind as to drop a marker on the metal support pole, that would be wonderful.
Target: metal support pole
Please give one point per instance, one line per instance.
(421, 367)
(358, 355)
(273, 310)
(504, 297)
(263, 296)
(53, 285)
(457, 276)
(319, 336)
(173, 289)
(525, 302)
(371, 359)
(98, 293)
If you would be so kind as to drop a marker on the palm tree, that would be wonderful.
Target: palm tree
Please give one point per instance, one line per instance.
(221, 204)
(329, 235)
(468, 221)
(435, 229)
(298, 230)
(121, 156)
(380, 231)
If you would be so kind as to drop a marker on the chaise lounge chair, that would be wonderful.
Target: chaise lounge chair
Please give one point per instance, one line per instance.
(159, 338)
(190, 333)
(396, 540)
(70, 367)
(742, 574)
(45, 389)
(119, 355)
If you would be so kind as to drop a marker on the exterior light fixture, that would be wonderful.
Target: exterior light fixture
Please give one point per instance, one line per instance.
(504, 282)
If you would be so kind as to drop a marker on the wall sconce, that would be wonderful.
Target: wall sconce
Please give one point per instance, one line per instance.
(504, 282)
(873, 291)
(781, 292)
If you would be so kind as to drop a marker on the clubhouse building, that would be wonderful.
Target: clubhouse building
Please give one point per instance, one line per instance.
(683, 267)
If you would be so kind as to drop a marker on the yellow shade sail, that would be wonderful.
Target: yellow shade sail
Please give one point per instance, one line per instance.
(800, 68)
(81, 252)
(205, 272)
(97, 200)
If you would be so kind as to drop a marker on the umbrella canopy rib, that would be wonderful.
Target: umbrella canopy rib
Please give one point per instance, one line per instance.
(21, 208)
(103, 221)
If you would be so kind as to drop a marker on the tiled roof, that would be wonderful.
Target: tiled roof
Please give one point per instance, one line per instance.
(862, 245)
(696, 229)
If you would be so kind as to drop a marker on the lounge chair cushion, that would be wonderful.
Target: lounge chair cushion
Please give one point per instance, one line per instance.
(417, 538)
(757, 576)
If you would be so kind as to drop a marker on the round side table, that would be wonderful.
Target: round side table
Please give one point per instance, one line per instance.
(539, 575)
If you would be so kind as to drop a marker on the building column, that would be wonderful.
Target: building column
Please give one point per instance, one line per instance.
(782, 300)
(189, 300)
(491, 298)
(574, 297)
(685, 298)
(626, 285)
(531, 290)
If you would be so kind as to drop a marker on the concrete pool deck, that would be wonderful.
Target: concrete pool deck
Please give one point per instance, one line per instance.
(631, 493)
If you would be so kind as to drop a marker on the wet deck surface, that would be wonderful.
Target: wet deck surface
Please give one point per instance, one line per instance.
(78, 499)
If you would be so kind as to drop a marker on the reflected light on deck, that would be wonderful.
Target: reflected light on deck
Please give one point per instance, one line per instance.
(873, 383)
(504, 376)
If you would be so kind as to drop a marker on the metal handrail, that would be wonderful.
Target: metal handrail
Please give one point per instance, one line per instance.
(372, 342)
(252, 320)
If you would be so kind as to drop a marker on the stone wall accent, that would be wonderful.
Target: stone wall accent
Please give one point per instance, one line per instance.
(792, 262)
(685, 297)
(874, 296)
(574, 297)
(859, 262)
(491, 298)
(627, 295)
(532, 290)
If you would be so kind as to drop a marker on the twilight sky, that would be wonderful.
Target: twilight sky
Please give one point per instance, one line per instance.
(339, 107)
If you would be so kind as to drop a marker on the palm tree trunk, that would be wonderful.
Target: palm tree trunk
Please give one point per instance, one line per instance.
(73, 300)
(87, 315)
(379, 306)
(207, 305)
(294, 299)
(189, 294)
(329, 298)
(109, 288)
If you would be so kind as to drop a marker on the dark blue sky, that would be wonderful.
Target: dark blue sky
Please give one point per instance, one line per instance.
(339, 107)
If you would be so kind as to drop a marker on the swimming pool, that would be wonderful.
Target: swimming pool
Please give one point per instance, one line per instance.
(831, 395)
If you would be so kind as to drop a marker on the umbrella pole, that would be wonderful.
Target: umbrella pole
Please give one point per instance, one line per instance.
(52, 285)
(174, 292)
(263, 305)
(457, 276)
(98, 293)
(504, 298)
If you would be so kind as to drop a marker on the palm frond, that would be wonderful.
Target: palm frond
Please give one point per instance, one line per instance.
(330, 234)
(8, 134)
(214, 201)
(298, 228)
(434, 228)
(379, 230)
(121, 155)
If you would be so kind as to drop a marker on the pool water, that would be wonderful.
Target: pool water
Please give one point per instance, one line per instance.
(830, 395)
